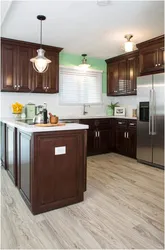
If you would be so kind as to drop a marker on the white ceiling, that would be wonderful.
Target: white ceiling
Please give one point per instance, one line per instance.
(83, 26)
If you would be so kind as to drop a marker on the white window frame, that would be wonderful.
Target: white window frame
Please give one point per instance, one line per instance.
(80, 104)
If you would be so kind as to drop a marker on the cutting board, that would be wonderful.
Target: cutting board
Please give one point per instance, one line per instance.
(50, 125)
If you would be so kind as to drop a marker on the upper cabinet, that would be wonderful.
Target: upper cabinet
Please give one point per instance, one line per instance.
(17, 73)
(121, 74)
(151, 54)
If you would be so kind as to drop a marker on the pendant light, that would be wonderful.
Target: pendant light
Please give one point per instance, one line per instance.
(84, 63)
(128, 46)
(40, 62)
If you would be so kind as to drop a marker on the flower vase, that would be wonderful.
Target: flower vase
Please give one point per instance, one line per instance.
(110, 111)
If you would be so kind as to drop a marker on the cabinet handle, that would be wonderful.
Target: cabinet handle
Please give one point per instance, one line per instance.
(115, 91)
(128, 135)
(44, 87)
(132, 124)
(95, 133)
(15, 86)
(98, 133)
(156, 65)
(47, 87)
(120, 123)
(124, 134)
(135, 89)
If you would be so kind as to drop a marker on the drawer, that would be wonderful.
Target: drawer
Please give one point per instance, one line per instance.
(89, 122)
(121, 122)
(102, 123)
(132, 123)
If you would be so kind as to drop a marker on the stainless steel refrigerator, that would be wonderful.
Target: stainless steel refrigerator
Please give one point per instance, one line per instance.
(150, 119)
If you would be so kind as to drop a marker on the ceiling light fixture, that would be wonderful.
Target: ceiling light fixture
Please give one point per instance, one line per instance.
(84, 63)
(40, 62)
(128, 46)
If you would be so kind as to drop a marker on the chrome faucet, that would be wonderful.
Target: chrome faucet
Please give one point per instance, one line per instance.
(84, 111)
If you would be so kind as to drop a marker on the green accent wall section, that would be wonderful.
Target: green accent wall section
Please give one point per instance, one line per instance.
(74, 60)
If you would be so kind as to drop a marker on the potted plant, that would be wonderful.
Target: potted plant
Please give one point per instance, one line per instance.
(111, 108)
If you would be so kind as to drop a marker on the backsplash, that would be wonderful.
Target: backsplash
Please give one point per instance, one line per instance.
(52, 100)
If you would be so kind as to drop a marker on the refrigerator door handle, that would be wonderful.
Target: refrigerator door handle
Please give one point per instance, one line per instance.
(150, 112)
(154, 113)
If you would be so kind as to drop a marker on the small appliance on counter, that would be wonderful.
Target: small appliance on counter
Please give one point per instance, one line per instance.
(38, 118)
(30, 110)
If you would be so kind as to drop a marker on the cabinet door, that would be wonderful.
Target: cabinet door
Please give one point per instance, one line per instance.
(131, 134)
(24, 164)
(132, 73)
(36, 78)
(51, 76)
(92, 142)
(3, 144)
(9, 67)
(122, 84)
(104, 141)
(121, 140)
(58, 178)
(149, 59)
(24, 69)
(112, 78)
(11, 158)
(161, 56)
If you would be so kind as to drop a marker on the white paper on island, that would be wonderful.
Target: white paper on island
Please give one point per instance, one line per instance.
(60, 150)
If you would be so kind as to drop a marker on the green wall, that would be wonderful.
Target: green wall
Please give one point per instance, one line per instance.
(74, 60)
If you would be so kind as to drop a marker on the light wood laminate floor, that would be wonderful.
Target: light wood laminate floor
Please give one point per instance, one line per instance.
(123, 208)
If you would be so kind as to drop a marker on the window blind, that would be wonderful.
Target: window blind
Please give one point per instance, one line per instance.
(79, 87)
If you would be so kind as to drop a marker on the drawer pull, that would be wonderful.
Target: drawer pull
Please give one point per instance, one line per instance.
(120, 123)
(132, 124)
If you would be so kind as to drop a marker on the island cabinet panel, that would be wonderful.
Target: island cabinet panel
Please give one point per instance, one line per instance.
(3, 144)
(151, 54)
(24, 164)
(11, 156)
(58, 169)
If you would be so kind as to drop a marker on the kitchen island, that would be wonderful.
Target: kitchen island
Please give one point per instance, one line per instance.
(48, 165)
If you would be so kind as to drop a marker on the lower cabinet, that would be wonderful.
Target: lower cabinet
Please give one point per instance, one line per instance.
(24, 164)
(126, 137)
(3, 144)
(11, 156)
(111, 135)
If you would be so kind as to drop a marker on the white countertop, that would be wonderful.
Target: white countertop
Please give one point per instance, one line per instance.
(32, 128)
(95, 117)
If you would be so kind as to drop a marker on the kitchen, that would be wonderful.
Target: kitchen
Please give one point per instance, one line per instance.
(92, 174)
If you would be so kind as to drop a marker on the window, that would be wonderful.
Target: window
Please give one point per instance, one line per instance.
(79, 87)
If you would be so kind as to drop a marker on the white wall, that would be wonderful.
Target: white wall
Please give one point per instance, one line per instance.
(52, 100)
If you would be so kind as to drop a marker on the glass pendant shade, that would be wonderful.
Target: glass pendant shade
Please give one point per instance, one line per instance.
(40, 62)
(84, 64)
(128, 46)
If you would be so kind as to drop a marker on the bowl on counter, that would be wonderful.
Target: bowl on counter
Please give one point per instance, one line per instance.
(53, 119)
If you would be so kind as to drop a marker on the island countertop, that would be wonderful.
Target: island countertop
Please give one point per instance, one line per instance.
(32, 128)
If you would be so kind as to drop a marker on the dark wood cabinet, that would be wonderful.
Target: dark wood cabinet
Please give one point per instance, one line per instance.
(24, 69)
(3, 144)
(122, 72)
(112, 77)
(121, 141)
(8, 67)
(126, 137)
(50, 77)
(17, 72)
(151, 53)
(24, 161)
(11, 155)
(98, 136)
